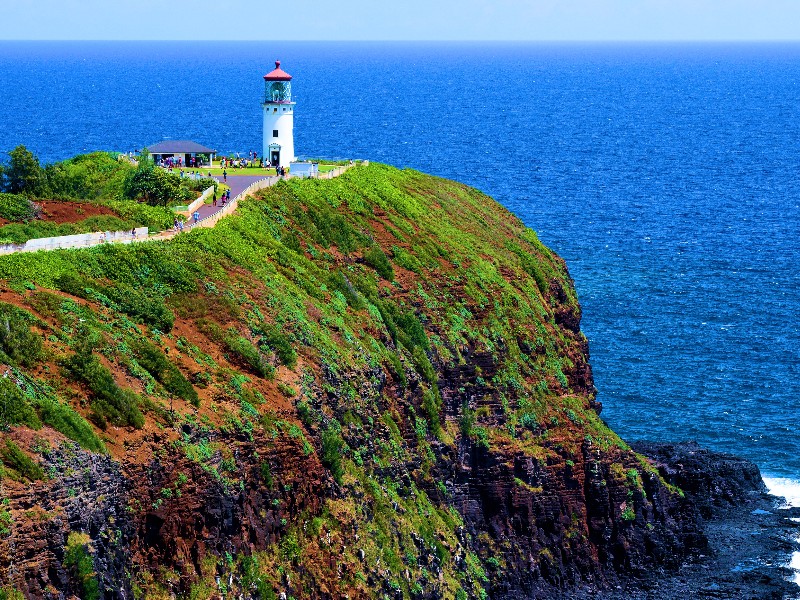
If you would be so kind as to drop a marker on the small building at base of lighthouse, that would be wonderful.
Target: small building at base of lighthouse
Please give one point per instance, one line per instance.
(278, 118)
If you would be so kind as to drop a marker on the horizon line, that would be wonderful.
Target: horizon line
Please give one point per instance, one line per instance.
(431, 41)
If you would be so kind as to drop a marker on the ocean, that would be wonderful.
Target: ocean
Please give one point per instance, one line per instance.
(667, 176)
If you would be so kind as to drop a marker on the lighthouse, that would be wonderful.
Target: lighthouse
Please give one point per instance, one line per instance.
(278, 117)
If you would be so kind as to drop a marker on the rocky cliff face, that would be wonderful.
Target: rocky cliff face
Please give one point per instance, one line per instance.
(374, 386)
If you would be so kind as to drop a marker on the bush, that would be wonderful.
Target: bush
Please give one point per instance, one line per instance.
(376, 259)
(24, 174)
(62, 418)
(17, 208)
(338, 281)
(167, 374)
(18, 344)
(332, 446)
(156, 187)
(278, 341)
(245, 351)
(431, 404)
(14, 458)
(330, 227)
(81, 565)
(14, 407)
(148, 308)
(241, 349)
(20, 233)
(88, 176)
(156, 218)
(110, 402)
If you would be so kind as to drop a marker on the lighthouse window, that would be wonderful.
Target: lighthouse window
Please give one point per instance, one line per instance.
(274, 133)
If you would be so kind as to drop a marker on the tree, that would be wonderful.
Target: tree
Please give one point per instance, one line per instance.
(145, 158)
(155, 186)
(24, 174)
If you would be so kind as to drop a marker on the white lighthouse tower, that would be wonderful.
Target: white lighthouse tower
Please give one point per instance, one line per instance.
(278, 118)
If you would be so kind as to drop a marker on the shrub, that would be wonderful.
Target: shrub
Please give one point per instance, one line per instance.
(79, 561)
(110, 402)
(62, 418)
(338, 281)
(406, 260)
(88, 176)
(74, 284)
(167, 374)
(278, 341)
(148, 308)
(398, 369)
(266, 474)
(18, 208)
(241, 349)
(156, 218)
(330, 227)
(10, 593)
(332, 446)
(246, 352)
(14, 408)
(14, 458)
(467, 421)
(155, 186)
(376, 259)
(431, 404)
(18, 344)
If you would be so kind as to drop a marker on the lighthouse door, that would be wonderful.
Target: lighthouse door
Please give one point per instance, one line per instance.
(275, 158)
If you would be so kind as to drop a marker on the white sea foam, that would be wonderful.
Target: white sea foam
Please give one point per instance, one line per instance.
(783, 487)
(789, 490)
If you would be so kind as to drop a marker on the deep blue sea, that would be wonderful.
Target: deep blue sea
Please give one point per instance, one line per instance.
(667, 176)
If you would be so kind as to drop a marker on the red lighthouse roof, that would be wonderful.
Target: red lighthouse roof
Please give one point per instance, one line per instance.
(278, 74)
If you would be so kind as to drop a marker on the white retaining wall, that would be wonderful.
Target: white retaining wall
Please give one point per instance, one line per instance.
(199, 202)
(80, 240)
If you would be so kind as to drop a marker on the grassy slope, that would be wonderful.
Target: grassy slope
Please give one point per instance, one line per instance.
(322, 311)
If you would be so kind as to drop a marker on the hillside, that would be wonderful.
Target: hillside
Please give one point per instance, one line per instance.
(373, 386)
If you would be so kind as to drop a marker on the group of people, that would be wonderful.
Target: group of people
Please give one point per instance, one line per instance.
(195, 175)
(172, 162)
(226, 197)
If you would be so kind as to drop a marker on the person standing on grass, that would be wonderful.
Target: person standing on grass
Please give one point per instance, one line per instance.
(225, 175)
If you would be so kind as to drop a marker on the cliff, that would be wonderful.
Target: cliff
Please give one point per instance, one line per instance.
(373, 386)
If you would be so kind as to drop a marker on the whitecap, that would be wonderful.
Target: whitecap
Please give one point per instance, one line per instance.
(789, 490)
(783, 487)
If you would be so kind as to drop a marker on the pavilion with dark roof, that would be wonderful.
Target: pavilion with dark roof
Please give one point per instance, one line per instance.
(183, 149)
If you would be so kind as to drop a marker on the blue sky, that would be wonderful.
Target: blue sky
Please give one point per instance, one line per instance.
(620, 20)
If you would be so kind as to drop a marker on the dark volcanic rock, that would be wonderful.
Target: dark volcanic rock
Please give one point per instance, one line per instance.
(713, 480)
(750, 538)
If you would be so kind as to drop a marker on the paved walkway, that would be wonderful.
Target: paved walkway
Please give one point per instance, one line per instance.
(209, 215)
(238, 184)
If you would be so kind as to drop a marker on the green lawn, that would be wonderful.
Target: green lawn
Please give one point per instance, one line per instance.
(217, 171)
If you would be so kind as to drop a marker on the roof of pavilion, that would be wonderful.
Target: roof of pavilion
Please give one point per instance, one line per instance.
(179, 147)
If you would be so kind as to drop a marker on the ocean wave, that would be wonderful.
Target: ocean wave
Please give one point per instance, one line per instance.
(783, 487)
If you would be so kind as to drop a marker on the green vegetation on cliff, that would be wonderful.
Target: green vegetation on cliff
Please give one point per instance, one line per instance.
(380, 377)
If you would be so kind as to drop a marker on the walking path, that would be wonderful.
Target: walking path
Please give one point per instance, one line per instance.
(241, 186)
